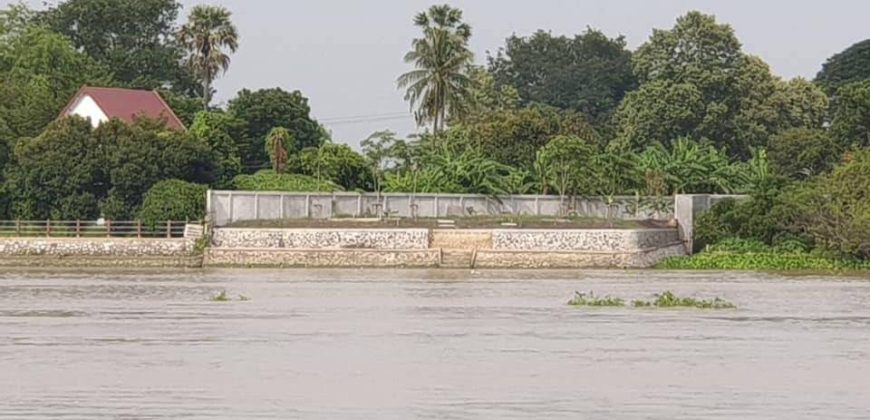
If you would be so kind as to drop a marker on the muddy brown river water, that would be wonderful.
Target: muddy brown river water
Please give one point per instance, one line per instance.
(364, 344)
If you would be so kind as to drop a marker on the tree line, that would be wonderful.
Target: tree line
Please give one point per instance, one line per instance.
(686, 112)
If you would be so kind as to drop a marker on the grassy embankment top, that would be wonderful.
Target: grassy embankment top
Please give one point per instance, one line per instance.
(478, 222)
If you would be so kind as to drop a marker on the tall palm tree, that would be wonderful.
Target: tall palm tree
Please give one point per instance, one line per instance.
(438, 85)
(206, 34)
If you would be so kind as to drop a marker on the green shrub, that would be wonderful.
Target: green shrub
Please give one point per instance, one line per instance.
(173, 200)
(767, 216)
(835, 208)
(739, 246)
(268, 180)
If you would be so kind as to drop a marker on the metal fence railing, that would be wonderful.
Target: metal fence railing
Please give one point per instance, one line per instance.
(91, 229)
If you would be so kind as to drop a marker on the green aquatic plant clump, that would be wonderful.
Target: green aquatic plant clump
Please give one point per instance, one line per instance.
(669, 300)
(221, 297)
(763, 261)
(589, 299)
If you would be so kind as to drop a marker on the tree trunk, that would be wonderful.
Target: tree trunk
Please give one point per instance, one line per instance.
(206, 92)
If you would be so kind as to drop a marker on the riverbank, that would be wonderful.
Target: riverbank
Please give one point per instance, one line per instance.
(383, 248)
(100, 252)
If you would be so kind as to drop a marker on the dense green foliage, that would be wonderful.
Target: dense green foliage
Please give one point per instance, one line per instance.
(589, 73)
(337, 163)
(39, 72)
(849, 66)
(801, 153)
(73, 171)
(133, 38)
(269, 180)
(851, 115)
(263, 110)
(831, 212)
(215, 129)
(754, 255)
(695, 81)
(513, 136)
(173, 200)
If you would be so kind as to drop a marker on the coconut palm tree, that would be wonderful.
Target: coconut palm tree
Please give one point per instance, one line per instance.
(206, 35)
(438, 85)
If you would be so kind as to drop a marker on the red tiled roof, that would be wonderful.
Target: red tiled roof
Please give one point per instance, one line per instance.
(128, 104)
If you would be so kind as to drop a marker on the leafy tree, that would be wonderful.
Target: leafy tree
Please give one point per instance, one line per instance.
(265, 109)
(60, 174)
(835, 208)
(803, 153)
(659, 112)
(512, 137)
(337, 163)
(612, 171)
(269, 180)
(174, 200)
(137, 156)
(215, 129)
(485, 97)
(712, 91)
(185, 107)
(438, 85)
(445, 163)
(134, 38)
(385, 153)
(589, 73)
(691, 167)
(851, 115)
(848, 66)
(208, 32)
(564, 165)
(40, 72)
(278, 142)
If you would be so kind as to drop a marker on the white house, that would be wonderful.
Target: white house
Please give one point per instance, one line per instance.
(103, 104)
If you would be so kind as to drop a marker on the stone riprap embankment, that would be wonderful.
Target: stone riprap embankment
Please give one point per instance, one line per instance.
(497, 248)
(98, 252)
(598, 240)
(403, 239)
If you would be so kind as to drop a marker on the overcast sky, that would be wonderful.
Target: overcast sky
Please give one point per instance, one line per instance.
(345, 55)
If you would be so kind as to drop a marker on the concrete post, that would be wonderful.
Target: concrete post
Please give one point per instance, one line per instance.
(687, 208)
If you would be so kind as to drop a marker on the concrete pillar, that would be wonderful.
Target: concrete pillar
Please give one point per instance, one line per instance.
(687, 208)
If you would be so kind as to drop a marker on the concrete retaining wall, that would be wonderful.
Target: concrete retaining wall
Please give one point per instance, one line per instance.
(237, 257)
(501, 248)
(568, 259)
(95, 247)
(597, 240)
(321, 238)
(98, 252)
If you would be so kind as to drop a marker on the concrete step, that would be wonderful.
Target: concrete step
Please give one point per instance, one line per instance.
(457, 258)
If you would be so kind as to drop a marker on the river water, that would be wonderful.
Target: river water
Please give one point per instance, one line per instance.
(366, 344)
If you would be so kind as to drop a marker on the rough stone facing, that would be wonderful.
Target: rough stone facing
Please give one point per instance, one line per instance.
(95, 247)
(583, 240)
(573, 259)
(322, 258)
(321, 238)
